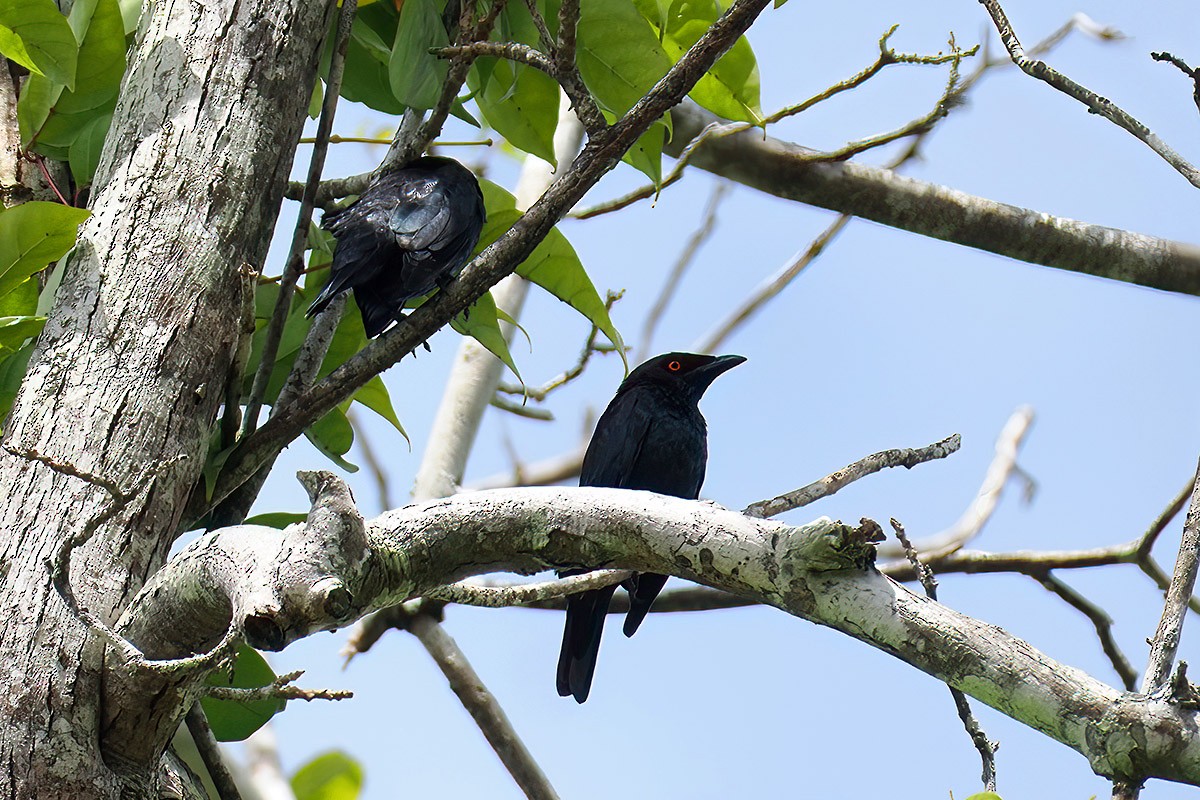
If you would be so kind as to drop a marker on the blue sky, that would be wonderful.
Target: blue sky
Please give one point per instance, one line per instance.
(889, 340)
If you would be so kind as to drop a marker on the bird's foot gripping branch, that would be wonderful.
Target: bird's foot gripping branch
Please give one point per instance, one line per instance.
(278, 586)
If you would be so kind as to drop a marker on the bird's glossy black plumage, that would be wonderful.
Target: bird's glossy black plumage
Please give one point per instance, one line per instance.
(411, 231)
(653, 437)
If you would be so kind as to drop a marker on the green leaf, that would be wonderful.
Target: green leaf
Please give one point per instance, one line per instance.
(316, 100)
(416, 74)
(333, 435)
(36, 35)
(521, 104)
(32, 236)
(21, 301)
(131, 11)
(985, 796)
(618, 53)
(233, 720)
(15, 331)
(553, 265)
(330, 776)
(12, 372)
(731, 88)
(85, 150)
(276, 519)
(38, 96)
(481, 323)
(365, 77)
(101, 34)
(374, 395)
(646, 153)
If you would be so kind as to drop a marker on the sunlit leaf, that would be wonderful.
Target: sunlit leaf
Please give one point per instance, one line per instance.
(12, 372)
(553, 265)
(233, 720)
(482, 324)
(416, 74)
(15, 331)
(36, 35)
(330, 776)
(374, 395)
(100, 30)
(32, 236)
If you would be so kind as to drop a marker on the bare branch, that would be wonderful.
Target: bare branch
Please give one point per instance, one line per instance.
(971, 523)
(986, 747)
(482, 706)
(210, 754)
(1194, 74)
(1094, 102)
(1166, 638)
(906, 457)
(279, 689)
(1103, 623)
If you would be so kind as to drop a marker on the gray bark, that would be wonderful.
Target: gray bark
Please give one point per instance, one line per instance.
(114, 416)
(796, 173)
(820, 571)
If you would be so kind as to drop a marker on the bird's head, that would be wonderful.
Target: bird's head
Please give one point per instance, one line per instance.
(686, 372)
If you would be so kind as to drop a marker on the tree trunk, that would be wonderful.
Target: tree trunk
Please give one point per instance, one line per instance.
(111, 427)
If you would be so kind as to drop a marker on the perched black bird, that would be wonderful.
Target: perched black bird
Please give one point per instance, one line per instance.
(410, 232)
(650, 437)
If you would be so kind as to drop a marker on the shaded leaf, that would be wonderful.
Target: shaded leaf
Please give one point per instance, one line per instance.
(84, 153)
(21, 301)
(32, 236)
(276, 519)
(481, 323)
(333, 435)
(330, 776)
(12, 372)
(521, 104)
(36, 35)
(231, 720)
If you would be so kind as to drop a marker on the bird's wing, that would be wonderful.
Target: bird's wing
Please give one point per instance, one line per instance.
(621, 432)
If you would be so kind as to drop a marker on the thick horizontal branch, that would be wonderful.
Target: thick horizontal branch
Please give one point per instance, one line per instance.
(820, 572)
(792, 172)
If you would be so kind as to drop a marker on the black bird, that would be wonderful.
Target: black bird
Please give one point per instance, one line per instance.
(411, 231)
(653, 437)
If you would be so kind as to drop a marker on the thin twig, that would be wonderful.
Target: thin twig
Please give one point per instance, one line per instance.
(1166, 638)
(687, 256)
(1103, 623)
(519, 410)
(279, 689)
(972, 521)
(986, 747)
(367, 450)
(906, 457)
(1194, 74)
(210, 754)
(294, 263)
(1094, 102)
(482, 706)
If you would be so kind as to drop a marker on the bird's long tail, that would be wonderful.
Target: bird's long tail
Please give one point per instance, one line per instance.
(643, 588)
(581, 641)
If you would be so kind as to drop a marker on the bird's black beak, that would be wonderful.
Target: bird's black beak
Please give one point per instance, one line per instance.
(702, 377)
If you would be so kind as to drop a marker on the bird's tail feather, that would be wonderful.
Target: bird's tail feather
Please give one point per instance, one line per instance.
(645, 587)
(581, 641)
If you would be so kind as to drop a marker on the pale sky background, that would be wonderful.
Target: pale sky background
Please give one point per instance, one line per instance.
(889, 340)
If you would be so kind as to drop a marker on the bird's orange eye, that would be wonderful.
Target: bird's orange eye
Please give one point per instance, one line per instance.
(674, 366)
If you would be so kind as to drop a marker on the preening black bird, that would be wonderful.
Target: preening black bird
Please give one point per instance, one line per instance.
(411, 231)
(653, 437)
